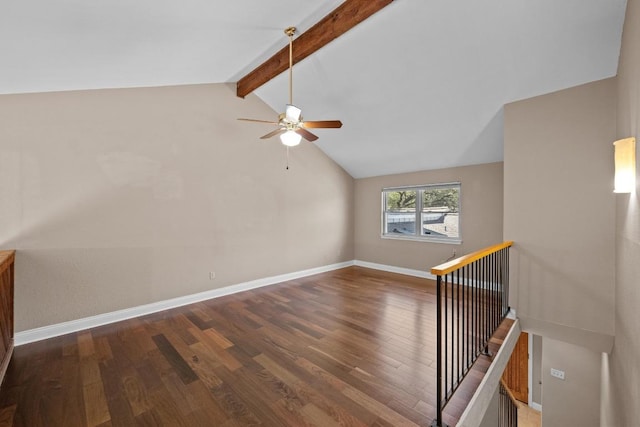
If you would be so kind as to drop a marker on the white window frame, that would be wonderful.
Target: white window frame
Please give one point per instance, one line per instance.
(418, 236)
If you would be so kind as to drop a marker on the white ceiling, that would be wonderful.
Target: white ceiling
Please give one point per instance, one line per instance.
(419, 85)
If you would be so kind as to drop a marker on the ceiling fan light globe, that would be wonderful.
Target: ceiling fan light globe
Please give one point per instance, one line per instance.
(290, 138)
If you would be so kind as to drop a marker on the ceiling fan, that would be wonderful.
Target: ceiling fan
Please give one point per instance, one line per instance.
(291, 127)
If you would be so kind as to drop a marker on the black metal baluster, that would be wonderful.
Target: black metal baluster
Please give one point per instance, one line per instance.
(485, 326)
(494, 279)
(507, 279)
(452, 337)
(438, 420)
(476, 316)
(465, 319)
(458, 364)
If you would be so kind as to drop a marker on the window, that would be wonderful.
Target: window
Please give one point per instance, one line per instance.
(429, 212)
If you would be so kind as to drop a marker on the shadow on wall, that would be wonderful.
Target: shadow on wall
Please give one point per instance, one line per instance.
(86, 213)
(488, 146)
(545, 291)
(54, 215)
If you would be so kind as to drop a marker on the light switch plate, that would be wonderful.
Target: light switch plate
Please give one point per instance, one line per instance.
(557, 373)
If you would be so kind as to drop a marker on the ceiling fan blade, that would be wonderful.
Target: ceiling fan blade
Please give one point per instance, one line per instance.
(292, 113)
(273, 133)
(306, 134)
(322, 124)
(259, 121)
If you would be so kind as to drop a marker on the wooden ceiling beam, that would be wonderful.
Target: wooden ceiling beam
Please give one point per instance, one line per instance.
(339, 21)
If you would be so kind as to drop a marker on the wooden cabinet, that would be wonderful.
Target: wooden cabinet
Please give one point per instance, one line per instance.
(516, 374)
(7, 259)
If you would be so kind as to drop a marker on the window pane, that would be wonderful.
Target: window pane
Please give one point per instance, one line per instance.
(400, 201)
(400, 223)
(440, 212)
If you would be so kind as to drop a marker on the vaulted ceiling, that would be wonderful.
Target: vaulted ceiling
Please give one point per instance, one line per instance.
(419, 85)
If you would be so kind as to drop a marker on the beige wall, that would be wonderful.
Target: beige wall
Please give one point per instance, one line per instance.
(624, 361)
(481, 216)
(559, 209)
(117, 198)
(492, 416)
(574, 400)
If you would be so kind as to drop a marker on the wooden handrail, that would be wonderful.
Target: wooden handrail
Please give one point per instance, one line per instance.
(6, 259)
(448, 267)
(508, 390)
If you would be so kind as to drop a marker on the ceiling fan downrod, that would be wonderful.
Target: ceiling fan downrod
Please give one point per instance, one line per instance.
(290, 31)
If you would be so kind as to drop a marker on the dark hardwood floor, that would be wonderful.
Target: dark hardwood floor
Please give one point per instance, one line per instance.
(352, 347)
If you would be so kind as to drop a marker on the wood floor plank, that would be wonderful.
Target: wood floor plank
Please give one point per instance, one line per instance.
(173, 357)
(245, 356)
(290, 414)
(277, 370)
(147, 373)
(210, 346)
(6, 415)
(255, 399)
(204, 404)
(203, 363)
(136, 393)
(234, 406)
(165, 411)
(102, 348)
(299, 384)
(86, 345)
(120, 412)
(218, 338)
(73, 411)
(318, 417)
(344, 411)
(90, 370)
(353, 347)
(176, 389)
(96, 407)
(381, 410)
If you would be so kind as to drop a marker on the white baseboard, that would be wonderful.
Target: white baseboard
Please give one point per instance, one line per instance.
(416, 273)
(45, 332)
(536, 406)
(392, 269)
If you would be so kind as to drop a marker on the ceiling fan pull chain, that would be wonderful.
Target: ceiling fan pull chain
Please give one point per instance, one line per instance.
(287, 157)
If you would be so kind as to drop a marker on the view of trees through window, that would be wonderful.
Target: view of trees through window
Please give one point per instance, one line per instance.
(429, 212)
(441, 197)
(401, 200)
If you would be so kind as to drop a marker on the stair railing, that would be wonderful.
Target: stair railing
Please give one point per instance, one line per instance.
(472, 301)
(507, 407)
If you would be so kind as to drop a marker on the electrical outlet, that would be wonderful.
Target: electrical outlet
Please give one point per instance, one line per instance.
(212, 275)
(557, 373)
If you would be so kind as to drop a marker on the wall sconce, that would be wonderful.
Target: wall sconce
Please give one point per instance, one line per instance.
(625, 160)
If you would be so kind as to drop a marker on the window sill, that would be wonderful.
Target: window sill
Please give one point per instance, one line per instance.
(422, 239)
